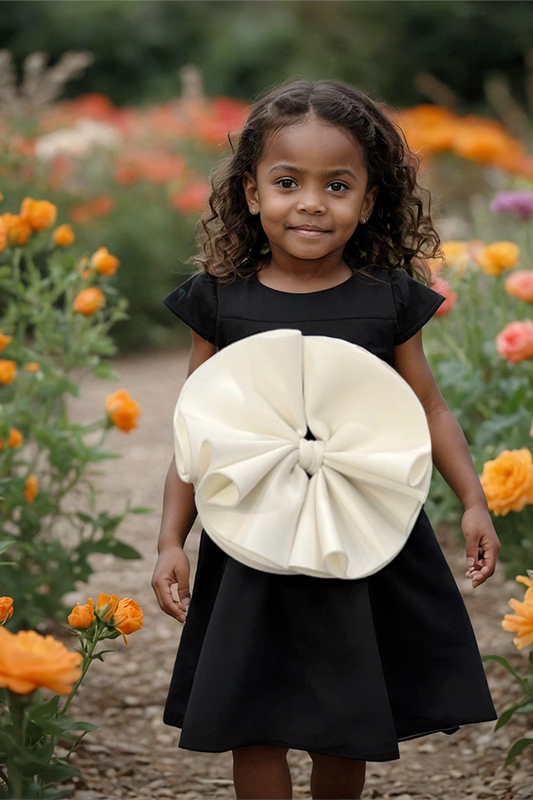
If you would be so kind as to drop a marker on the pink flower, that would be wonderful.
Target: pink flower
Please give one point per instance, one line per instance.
(520, 284)
(442, 286)
(521, 203)
(515, 342)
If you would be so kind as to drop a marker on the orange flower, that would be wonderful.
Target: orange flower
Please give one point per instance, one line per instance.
(17, 229)
(82, 616)
(122, 410)
(520, 284)
(495, 258)
(521, 622)
(30, 492)
(8, 370)
(103, 262)
(6, 609)
(39, 214)
(442, 286)
(515, 342)
(456, 255)
(64, 235)
(508, 481)
(129, 617)
(4, 341)
(3, 235)
(15, 439)
(32, 366)
(88, 301)
(105, 606)
(29, 661)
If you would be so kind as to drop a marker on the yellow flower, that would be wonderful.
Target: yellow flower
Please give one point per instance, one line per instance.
(29, 661)
(521, 622)
(122, 410)
(39, 214)
(103, 262)
(6, 609)
(32, 366)
(508, 481)
(64, 235)
(88, 301)
(8, 370)
(18, 230)
(82, 616)
(4, 341)
(129, 617)
(30, 492)
(497, 257)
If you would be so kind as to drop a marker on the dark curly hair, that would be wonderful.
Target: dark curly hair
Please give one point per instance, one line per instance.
(399, 235)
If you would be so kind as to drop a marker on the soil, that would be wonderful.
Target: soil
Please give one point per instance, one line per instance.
(134, 755)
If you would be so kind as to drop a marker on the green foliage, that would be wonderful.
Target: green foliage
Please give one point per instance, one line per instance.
(51, 536)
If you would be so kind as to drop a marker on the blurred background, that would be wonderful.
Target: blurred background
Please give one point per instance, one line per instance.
(117, 111)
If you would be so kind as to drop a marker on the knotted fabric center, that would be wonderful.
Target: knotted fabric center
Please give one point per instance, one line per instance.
(311, 455)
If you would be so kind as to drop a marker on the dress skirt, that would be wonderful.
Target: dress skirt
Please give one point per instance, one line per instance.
(341, 667)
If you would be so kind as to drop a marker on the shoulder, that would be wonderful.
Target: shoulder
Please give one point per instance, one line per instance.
(195, 302)
(414, 303)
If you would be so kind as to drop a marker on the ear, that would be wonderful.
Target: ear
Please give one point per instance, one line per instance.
(250, 190)
(369, 201)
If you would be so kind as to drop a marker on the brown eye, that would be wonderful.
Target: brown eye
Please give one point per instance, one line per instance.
(284, 181)
(340, 186)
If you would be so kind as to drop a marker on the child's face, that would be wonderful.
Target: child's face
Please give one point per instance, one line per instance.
(311, 176)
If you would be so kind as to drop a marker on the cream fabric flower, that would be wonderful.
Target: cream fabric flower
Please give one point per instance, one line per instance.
(341, 505)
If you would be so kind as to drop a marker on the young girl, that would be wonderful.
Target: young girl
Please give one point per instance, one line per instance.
(314, 224)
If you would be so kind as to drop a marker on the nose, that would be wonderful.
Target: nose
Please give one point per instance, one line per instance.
(311, 201)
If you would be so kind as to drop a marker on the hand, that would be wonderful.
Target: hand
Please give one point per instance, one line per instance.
(482, 544)
(172, 567)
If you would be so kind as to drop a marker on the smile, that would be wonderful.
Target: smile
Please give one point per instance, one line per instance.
(309, 233)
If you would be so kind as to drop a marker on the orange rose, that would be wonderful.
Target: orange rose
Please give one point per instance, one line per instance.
(64, 235)
(105, 606)
(32, 366)
(4, 341)
(515, 342)
(8, 370)
(522, 622)
(520, 284)
(18, 230)
(3, 235)
(39, 214)
(15, 438)
(6, 609)
(88, 301)
(29, 661)
(30, 492)
(442, 286)
(508, 481)
(103, 262)
(122, 410)
(129, 617)
(497, 257)
(82, 616)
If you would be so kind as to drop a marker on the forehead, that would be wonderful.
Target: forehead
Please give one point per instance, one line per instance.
(313, 143)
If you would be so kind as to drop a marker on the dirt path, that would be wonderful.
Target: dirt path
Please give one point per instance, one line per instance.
(134, 755)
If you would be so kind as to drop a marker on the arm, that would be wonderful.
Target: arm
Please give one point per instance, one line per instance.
(452, 458)
(179, 513)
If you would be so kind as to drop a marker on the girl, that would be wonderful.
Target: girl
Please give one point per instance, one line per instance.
(314, 224)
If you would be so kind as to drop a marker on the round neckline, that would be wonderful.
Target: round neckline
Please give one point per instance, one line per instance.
(303, 294)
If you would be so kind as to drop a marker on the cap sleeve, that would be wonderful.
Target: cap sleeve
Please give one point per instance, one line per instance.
(415, 304)
(195, 302)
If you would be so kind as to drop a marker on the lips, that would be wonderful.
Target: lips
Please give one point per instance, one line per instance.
(308, 228)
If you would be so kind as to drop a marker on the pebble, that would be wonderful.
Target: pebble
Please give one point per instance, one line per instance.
(427, 747)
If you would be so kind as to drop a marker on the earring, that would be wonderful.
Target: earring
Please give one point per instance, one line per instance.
(365, 219)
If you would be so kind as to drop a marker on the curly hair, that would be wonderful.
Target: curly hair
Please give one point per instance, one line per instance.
(399, 234)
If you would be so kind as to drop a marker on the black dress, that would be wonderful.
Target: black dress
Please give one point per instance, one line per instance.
(342, 667)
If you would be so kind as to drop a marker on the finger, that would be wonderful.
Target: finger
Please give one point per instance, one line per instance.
(163, 592)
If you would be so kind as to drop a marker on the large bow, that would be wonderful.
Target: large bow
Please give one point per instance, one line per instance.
(341, 504)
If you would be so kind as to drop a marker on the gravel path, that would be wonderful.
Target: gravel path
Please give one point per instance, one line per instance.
(134, 755)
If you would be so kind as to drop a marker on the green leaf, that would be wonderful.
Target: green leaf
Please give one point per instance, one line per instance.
(506, 715)
(106, 371)
(5, 545)
(45, 711)
(60, 772)
(59, 724)
(503, 661)
(516, 749)
(141, 510)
